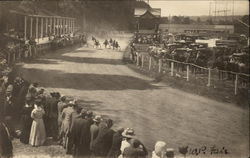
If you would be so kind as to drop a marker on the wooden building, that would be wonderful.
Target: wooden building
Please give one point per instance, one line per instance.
(147, 19)
(40, 27)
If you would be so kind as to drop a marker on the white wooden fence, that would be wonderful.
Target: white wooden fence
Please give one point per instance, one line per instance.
(188, 71)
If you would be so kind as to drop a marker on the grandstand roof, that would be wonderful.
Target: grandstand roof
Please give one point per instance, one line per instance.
(139, 12)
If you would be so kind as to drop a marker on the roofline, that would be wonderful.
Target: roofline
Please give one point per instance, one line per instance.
(41, 16)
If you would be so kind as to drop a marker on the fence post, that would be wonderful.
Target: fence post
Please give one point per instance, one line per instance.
(209, 77)
(172, 68)
(142, 60)
(137, 60)
(187, 72)
(236, 84)
(160, 65)
(150, 63)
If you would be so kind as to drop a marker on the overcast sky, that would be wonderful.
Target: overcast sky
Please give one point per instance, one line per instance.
(199, 7)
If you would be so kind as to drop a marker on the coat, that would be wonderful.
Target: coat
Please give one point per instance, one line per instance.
(26, 122)
(60, 107)
(80, 134)
(5, 142)
(115, 150)
(94, 129)
(131, 152)
(37, 133)
(66, 117)
(103, 141)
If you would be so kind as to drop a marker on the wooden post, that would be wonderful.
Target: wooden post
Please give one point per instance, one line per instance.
(41, 28)
(46, 27)
(25, 28)
(54, 26)
(31, 27)
(73, 21)
(236, 84)
(172, 68)
(37, 28)
(160, 65)
(150, 63)
(51, 24)
(209, 77)
(142, 60)
(137, 60)
(187, 72)
(67, 26)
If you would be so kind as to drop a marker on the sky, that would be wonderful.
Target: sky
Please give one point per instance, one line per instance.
(200, 7)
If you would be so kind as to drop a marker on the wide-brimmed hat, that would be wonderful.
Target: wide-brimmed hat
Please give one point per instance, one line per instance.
(129, 133)
(97, 118)
(72, 102)
(38, 100)
(9, 89)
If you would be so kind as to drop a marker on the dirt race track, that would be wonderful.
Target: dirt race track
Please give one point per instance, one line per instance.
(156, 111)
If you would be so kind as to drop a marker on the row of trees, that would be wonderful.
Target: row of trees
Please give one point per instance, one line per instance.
(240, 23)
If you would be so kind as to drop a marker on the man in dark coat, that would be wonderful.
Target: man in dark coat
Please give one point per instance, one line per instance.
(5, 141)
(52, 115)
(103, 141)
(115, 149)
(80, 134)
(136, 150)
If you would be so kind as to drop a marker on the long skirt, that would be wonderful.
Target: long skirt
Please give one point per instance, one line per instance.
(37, 133)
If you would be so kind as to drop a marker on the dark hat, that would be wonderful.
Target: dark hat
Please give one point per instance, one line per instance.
(38, 100)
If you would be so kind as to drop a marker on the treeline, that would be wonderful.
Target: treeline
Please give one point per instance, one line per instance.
(240, 22)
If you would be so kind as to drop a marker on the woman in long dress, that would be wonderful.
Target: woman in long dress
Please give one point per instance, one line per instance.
(37, 133)
(26, 121)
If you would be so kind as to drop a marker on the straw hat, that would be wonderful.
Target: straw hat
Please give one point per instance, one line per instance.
(129, 133)
(97, 118)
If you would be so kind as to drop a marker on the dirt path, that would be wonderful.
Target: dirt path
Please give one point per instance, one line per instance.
(155, 111)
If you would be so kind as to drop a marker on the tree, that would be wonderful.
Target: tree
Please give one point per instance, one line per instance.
(186, 20)
(164, 20)
(198, 20)
(176, 20)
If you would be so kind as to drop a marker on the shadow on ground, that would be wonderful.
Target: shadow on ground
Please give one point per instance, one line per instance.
(60, 79)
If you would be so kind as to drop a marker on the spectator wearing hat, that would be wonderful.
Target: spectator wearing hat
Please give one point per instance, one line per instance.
(52, 114)
(66, 123)
(103, 141)
(73, 116)
(135, 150)
(81, 135)
(60, 106)
(37, 133)
(115, 149)
(26, 121)
(5, 141)
(94, 129)
(89, 117)
(9, 109)
(159, 150)
(127, 134)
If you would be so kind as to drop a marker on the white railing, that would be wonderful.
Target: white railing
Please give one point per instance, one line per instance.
(190, 72)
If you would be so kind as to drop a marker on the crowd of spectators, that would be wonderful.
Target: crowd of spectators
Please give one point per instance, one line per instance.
(147, 38)
(33, 115)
